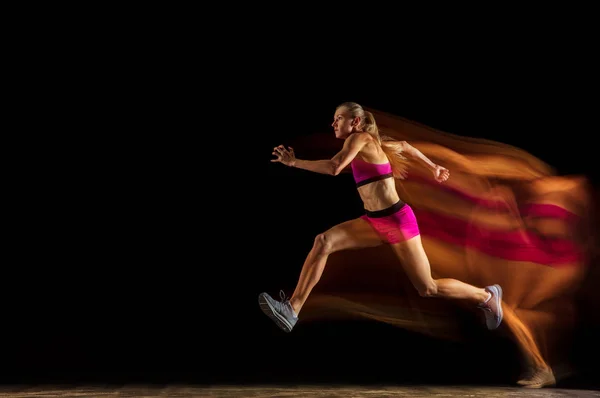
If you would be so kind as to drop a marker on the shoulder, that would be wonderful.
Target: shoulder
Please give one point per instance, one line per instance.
(359, 138)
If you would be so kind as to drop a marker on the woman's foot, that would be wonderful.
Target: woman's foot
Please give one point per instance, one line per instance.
(281, 312)
(492, 307)
(538, 378)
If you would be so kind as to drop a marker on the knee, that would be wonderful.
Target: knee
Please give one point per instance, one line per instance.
(323, 243)
(429, 289)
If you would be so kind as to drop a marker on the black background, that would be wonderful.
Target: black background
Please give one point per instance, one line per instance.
(149, 215)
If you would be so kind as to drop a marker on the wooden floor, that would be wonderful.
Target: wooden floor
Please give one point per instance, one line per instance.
(288, 391)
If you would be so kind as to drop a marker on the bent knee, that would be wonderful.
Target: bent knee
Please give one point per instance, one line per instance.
(324, 243)
(428, 290)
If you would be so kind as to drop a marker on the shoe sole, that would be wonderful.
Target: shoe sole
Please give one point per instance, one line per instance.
(539, 379)
(269, 311)
(500, 314)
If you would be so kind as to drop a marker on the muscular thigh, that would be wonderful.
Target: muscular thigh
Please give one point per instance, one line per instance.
(414, 259)
(353, 234)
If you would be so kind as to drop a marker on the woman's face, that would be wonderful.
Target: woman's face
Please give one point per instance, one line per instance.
(343, 123)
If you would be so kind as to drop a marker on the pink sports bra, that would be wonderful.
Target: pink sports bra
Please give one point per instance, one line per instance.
(365, 173)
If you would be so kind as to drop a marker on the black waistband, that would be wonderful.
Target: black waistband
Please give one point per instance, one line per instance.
(385, 212)
(373, 179)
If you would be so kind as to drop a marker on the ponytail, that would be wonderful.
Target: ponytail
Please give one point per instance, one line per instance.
(370, 126)
(393, 150)
(391, 147)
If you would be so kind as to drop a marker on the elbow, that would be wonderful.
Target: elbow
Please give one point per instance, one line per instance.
(336, 169)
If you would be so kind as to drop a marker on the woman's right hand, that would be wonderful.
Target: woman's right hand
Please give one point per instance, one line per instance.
(285, 156)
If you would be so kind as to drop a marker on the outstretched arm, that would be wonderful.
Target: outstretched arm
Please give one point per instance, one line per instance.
(333, 166)
(440, 173)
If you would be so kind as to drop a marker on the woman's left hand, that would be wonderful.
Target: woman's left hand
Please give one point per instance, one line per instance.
(441, 174)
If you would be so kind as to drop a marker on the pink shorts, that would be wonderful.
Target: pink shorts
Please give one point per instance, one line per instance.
(394, 224)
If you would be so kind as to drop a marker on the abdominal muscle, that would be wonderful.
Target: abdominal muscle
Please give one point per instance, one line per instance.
(379, 195)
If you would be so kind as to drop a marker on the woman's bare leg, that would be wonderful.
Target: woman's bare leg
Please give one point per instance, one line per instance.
(353, 234)
(416, 265)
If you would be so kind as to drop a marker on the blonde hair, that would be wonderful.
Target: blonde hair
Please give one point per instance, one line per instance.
(390, 146)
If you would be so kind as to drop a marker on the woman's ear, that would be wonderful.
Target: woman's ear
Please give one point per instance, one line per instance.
(356, 121)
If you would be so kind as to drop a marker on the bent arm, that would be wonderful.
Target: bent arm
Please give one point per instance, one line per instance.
(414, 153)
(335, 165)
(317, 166)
